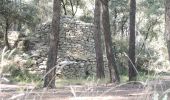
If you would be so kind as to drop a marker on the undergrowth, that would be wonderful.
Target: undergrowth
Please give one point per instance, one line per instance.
(23, 76)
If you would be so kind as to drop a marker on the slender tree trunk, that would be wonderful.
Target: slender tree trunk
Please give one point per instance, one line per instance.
(72, 7)
(98, 41)
(114, 22)
(114, 75)
(64, 7)
(6, 35)
(19, 26)
(54, 41)
(132, 38)
(167, 25)
(123, 23)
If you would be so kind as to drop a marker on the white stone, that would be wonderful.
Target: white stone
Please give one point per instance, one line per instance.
(35, 53)
(42, 66)
(4, 80)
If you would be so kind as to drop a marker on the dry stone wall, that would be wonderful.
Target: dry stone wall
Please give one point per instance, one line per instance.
(76, 48)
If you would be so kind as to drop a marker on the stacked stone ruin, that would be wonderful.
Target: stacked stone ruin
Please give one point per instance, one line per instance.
(76, 48)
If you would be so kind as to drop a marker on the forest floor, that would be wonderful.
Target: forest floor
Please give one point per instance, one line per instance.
(124, 91)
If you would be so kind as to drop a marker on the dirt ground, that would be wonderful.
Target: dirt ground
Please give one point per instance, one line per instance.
(136, 91)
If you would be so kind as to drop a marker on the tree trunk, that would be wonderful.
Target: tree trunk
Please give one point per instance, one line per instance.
(132, 38)
(114, 22)
(64, 7)
(98, 41)
(114, 75)
(167, 25)
(54, 41)
(72, 7)
(19, 26)
(6, 35)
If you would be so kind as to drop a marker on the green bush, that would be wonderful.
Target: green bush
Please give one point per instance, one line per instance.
(22, 75)
(146, 56)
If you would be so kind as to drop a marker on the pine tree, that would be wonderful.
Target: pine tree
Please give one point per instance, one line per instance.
(54, 42)
(132, 71)
(114, 75)
(98, 41)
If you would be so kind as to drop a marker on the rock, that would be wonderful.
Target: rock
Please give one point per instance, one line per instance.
(43, 67)
(40, 60)
(76, 54)
(4, 80)
(32, 72)
(35, 53)
(26, 55)
(44, 62)
(37, 36)
(34, 61)
(19, 60)
(64, 63)
(82, 64)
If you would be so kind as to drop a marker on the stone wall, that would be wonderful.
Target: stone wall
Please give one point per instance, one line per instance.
(76, 48)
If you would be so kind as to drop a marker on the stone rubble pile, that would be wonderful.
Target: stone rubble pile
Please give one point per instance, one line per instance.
(76, 45)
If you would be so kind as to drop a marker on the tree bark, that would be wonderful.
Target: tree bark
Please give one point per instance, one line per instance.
(114, 75)
(114, 22)
(167, 25)
(54, 42)
(98, 42)
(132, 38)
(64, 7)
(6, 34)
(72, 7)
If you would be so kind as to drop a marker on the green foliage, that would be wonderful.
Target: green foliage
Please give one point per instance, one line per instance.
(5, 56)
(150, 18)
(86, 18)
(23, 75)
(120, 48)
(147, 55)
(149, 30)
(29, 63)
(20, 12)
(119, 14)
(152, 7)
(17, 72)
(72, 6)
